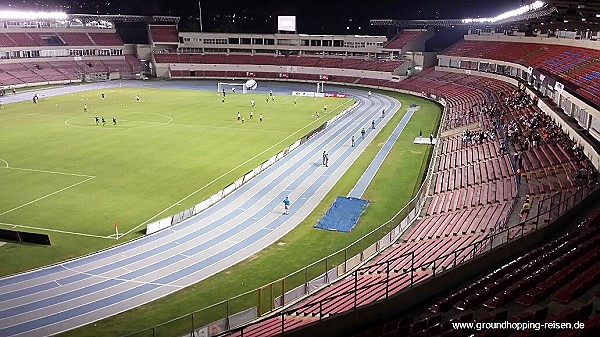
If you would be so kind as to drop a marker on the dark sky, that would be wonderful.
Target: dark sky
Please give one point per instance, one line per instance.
(314, 16)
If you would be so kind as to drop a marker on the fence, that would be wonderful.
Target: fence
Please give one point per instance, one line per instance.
(222, 316)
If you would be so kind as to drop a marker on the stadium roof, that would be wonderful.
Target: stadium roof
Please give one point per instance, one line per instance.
(126, 18)
(556, 14)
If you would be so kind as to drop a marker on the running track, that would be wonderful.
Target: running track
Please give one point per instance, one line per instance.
(64, 296)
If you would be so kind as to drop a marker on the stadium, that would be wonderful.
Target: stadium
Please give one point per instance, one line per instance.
(204, 183)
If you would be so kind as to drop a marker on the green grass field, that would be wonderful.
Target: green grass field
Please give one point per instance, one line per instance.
(394, 185)
(63, 175)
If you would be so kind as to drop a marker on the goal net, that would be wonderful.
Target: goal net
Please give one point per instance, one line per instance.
(231, 87)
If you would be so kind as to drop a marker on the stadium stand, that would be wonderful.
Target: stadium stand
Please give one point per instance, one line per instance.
(164, 34)
(402, 39)
(557, 282)
(578, 66)
(299, 61)
(474, 195)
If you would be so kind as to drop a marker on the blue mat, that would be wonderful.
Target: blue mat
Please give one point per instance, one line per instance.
(343, 214)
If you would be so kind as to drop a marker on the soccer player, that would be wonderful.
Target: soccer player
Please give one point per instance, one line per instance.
(325, 108)
(295, 100)
(252, 103)
(317, 113)
(271, 93)
(267, 99)
(369, 93)
(223, 93)
(352, 141)
(286, 205)
(324, 157)
(85, 108)
(114, 121)
(260, 117)
(362, 133)
(233, 90)
(242, 120)
(97, 120)
(137, 98)
(103, 121)
(251, 115)
(383, 113)
(239, 116)
(373, 124)
(102, 96)
(223, 99)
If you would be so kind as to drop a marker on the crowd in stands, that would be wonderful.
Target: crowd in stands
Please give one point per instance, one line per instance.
(532, 129)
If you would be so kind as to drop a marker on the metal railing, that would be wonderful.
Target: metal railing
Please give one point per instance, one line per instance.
(550, 209)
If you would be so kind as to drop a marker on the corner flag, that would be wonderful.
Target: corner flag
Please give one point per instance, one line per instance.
(117, 228)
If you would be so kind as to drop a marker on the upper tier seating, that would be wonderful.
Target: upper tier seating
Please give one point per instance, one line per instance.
(164, 33)
(402, 39)
(580, 67)
(106, 39)
(76, 39)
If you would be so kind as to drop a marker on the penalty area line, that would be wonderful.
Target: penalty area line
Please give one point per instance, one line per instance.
(47, 195)
(53, 230)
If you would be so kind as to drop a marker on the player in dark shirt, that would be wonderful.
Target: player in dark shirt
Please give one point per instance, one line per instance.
(97, 120)
(114, 121)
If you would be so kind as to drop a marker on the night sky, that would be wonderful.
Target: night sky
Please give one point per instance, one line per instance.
(314, 16)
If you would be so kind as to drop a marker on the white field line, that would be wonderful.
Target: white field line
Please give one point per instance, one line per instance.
(5, 162)
(47, 195)
(44, 171)
(53, 230)
(233, 169)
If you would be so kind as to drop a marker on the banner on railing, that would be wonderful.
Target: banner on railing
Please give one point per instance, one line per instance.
(159, 225)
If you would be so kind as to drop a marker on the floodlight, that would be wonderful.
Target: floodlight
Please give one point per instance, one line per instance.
(509, 14)
(32, 15)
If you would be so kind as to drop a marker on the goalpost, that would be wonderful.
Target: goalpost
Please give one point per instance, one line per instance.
(231, 87)
(320, 86)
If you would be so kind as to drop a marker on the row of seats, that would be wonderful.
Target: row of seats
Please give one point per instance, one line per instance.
(36, 72)
(164, 33)
(402, 39)
(298, 61)
(578, 66)
(42, 39)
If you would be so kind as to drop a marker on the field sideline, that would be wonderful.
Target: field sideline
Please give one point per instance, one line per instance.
(72, 178)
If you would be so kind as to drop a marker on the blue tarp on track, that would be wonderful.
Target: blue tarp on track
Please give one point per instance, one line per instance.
(343, 214)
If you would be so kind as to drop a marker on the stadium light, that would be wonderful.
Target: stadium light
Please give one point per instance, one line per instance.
(32, 15)
(509, 14)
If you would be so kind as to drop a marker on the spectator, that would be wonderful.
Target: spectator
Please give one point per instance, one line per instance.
(526, 208)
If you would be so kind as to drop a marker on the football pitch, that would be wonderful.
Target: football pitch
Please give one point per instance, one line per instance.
(64, 174)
